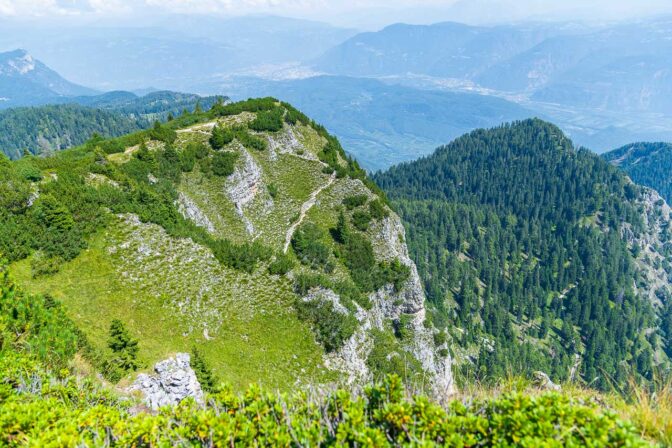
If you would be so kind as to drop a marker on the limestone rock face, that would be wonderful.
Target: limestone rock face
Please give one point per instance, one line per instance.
(388, 239)
(188, 208)
(174, 381)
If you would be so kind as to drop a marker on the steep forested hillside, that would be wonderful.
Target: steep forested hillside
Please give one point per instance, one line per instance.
(44, 129)
(647, 164)
(546, 257)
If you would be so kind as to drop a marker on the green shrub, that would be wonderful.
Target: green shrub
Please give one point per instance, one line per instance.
(41, 264)
(224, 163)
(204, 374)
(162, 133)
(270, 120)
(272, 190)
(308, 244)
(36, 326)
(303, 282)
(293, 115)
(250, 105)
(221, 136)
(29, 171)
(342, 231)
(403, 328)
(331, 327)
(244, 257)
(377, 210)
(250, 141)
(281, 265)
(354, 201)
(361, 220)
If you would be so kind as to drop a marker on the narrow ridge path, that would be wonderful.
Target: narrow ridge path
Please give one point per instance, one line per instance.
(304, 209)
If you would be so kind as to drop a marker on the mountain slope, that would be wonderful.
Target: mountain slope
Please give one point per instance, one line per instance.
(243, 231)
(26, 81)
(546, 257)
(42, 129)
(174, 51)
(446, 50)
(647, 164)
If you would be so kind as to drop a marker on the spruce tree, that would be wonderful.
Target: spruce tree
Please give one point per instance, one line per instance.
(125, 348)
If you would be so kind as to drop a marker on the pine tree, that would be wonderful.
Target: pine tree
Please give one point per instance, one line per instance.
(342, 231)
(124, 347)
(202, 369)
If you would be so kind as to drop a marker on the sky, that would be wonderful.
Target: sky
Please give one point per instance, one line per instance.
(357, 13)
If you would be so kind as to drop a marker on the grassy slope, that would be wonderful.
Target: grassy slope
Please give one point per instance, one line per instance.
(253, 334)
(260, 339)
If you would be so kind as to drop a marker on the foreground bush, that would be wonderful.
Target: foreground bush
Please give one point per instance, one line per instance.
(37, 410)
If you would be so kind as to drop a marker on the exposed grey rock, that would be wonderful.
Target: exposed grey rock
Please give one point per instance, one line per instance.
(389, 304)
(188, 208)
(243, 186)
(651, 243)
(174, 381)
(543, 381)
(323, 294)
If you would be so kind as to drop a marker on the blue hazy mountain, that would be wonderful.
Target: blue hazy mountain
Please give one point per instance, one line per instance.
(27, 81)
(172, 52)
(446, 50)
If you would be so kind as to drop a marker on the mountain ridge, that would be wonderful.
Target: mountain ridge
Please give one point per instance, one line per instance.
(507, 227)
(192, 218)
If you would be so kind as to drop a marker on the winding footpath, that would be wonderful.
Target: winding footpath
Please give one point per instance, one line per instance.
(304, 209)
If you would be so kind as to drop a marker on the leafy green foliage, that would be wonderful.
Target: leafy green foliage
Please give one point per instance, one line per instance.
(250, 105)
(162, 133)
(282, 264)
(361, 220)
(377, 210)
(514, 231)
(268, 120)
(388, 358)
(224, 163)
(34, 325)
(331, 327)
(308, 244)
(221, 136)
(84, 415)
(204, 374)
(250, 141)
(294, 116)
(352, 202)
(244, 257)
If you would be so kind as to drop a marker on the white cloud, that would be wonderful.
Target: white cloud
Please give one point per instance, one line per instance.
(401, 10)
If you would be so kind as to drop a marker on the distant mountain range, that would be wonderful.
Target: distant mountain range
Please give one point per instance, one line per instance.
(384, 124)
(624, 66)
(604, 86)
(27, 81)
(173, 52)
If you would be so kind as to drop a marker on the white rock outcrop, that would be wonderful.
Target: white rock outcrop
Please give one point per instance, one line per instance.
(243, 186)
(174, 381)
(188, 208)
